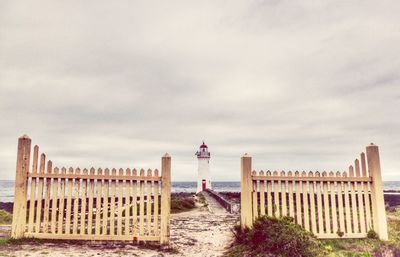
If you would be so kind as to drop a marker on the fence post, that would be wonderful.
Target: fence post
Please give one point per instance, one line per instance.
(246, 209)
(378, 203)
(19, 209)
(165, 198)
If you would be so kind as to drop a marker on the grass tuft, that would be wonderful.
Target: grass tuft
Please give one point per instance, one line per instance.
(5, 217)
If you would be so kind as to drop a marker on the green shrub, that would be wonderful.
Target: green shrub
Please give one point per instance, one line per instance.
(5, 217)
(277, 236)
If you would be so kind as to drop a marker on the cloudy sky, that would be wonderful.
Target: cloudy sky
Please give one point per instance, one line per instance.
(297, 84)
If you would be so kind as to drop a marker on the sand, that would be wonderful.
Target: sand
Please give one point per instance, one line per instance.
(205, 231)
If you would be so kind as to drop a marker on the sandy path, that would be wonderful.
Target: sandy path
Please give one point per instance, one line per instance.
(205, 231)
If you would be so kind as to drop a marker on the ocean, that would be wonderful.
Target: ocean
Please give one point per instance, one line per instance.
(7, 187)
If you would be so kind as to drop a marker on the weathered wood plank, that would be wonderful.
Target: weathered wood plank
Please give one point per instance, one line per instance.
(112, 204)
(134, 202)
(128, 203)
(306, 213)
(46, 211)
(69, 203)
(90, 206)
(54, 205)
(327, 208)
(318, 185)
(141, 205)
(156, 202)
(40, 195)
(99, 186)
(31, 216)
(106, 187)
(76, 204)
(61, 213)
(120, 195)
(148, 203)
(262, 195)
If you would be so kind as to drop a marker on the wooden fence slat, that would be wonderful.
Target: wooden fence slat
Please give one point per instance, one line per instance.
(360, 193)
(99, 185)
(119, 208)
(333, 204)
(291, 205)
(368, 219)
(306, 214)
(141, 205)
(134, 202)
(340, 204)
(283, 196)
(112, 204)
(77, 185)
(68, 209)
(312, 205)
(353, 202)
(83, 204)
(31, 216)
(60, 222)
(90, 206)
(148, 203)
(54, 205)
(254, 197)
(156, 203)
(106, 187)
(347, 206)
(319, 206)
(262, 195)
(47, 199)
(127, 202)
(269, 195)
(276, 197)
(299, 218)
(326, 206)
(40, 195)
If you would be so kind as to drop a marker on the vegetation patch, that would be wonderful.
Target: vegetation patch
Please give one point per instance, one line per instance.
(201, 199)
(5, 217)
(182, 203)
(275, 237)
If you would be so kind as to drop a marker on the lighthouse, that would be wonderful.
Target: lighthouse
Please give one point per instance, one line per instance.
(203, 176)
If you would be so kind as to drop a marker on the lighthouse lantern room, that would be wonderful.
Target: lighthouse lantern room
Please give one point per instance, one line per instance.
(203, 179)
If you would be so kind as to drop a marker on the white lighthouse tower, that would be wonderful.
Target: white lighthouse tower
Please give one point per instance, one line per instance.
(203, 177)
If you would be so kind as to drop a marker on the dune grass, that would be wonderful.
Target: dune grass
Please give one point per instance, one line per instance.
(5, 217)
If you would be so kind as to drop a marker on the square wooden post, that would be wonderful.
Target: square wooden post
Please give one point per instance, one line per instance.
(165, 198)
(246, 209)
(378, 203)
(21, 176)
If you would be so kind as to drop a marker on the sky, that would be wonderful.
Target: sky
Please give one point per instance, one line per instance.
(299, 85)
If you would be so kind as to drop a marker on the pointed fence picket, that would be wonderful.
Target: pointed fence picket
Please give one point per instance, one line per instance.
(89, 205)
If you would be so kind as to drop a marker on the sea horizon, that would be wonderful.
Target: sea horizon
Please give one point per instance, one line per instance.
(7, 187)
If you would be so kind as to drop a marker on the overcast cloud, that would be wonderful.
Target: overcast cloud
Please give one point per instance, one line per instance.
(297, 84)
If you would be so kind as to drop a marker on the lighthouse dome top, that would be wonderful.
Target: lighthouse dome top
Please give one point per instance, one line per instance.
(203, 145)
(203, 151)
